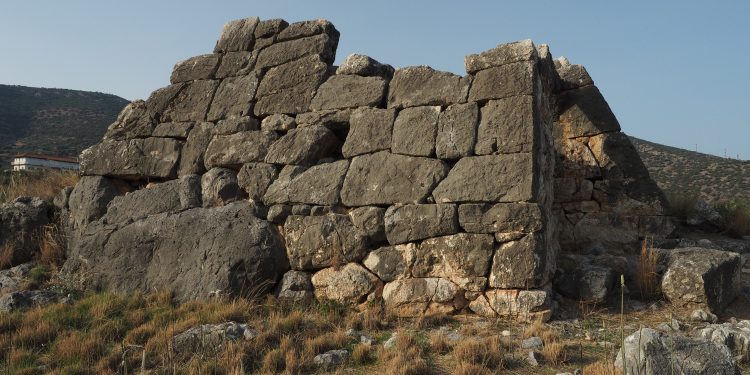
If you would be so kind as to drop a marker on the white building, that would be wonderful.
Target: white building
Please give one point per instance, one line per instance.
(25, 162)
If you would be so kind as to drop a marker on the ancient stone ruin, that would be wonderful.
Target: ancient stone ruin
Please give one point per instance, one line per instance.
(264, 167)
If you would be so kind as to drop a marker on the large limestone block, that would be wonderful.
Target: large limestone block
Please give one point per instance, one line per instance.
(315, 242)
(501, 217)
(371, 221)
(572, 76)
(236, 149)
(268, 31)
(414, 222)
(237, 63)
(457, 131)
(234, 98)
(236, 125)
(415, 130)
(295, 286)
(317, 185)
(424, 296)
(307, 28)
(136, 158)
(194, 253)
(303, 146)
(133, 121)
(349, 284)
(191, 103)
(178, 130)
(21, 223)
(349, 91)
(198, 67)
(391, 262)
(370, 130)
(254, 179)
(237, 35)
(422, 85)
(89, 199)
(194, 149)
(650, 352)
(585, 112)
(160, 198)
(289, 88)
(504, 81)
(462, 258)
(524, 263)
(384, 178)
(331, 119)
(508, 125)
(701, 277)
(365, 66)
(519, 305)
(503, 54)
(321, 45)
(219, 186)
(491, 178)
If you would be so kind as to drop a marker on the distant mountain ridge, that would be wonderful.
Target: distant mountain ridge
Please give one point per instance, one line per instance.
(58, 122)
(713, 178)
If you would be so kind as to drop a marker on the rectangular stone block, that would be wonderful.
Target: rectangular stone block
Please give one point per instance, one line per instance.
(457, 131)
(508, 126)
(349, 91)
(415, 130)
(501, 217)
(289, 88)
(283, 52)
(370, 130)
(234, 98)
(422, 85)
(414, 222)
(191, 103)
(522, 264)
(198, 67)
(500, 82)
(141, 158)
(503, 54)
(239, 148)
(237, 35)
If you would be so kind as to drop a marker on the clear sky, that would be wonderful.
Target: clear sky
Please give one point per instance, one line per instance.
(674, 72)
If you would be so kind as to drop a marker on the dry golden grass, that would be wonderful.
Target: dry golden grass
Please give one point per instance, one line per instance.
(51, 247)
(646, 275)
(464, 368)
(487, 352)
(439, 343)
(44, 184)
(554, 353)
(362, 354)
(535, 329)
(6, 254)
(601, 368)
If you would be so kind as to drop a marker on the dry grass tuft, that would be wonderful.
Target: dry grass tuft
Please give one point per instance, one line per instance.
(646, 276)
(535, 329)
(554, 353)
(471, 369)
(487, 352)
(601, 368)
(43, 184)
(406, 362)
(439, 343)
(362, 354)
(274, 361)
(6, 254)
(52, 247)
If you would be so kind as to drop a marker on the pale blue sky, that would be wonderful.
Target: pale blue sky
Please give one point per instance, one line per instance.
(674, 72)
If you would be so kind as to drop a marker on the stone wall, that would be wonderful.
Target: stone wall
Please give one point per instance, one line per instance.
(263, 165)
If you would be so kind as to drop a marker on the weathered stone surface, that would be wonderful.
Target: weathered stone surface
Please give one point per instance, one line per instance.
(504, 81)
(391, 262)
(349, 284)
(303, 146)
(194, 149)
(736, 336)
(413, 222)
(194, 253)
(318, 185)
(705, 217)
(491, 178)
(278, 213)
(133, 121)
(315, 242)
(371, 221)
(370, 130)
(422, 85)
(194, 68)
(14, 278)
(219, 187)
(582, 280)
(267, 31)
(279, 53)
(156, 199)
(236, 64)
(21, 221)
(462, 258)
(508, 126)
(503, 54)
(457, 131)
(524, 263)
(572, 76)
(236, 149)
(366, 66)
(278, 122)
(89, 199)
(235, 125)
(308, 28)
(237, 35)
(254, 179)
(234, 97)
(501, 217)
(295, 286)
(135, 158)
(191, 103)
(331, 358)
(289, 88)
(179, 130)
(584, 112)
(27, 299)
(384, 178)
(349, 91)
(414, 297)
(414, 131)
(520, 305)
(701, 277)
(650, 352)
(331, 119)
(210, 338)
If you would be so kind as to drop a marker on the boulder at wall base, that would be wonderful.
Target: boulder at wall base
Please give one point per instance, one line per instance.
(20, 222)
(649, 352)
(195, 253)
(314, 242)
(700, 277)
(210, 338)
(348, 284)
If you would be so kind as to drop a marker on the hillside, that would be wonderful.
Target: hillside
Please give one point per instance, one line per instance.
(53, 121)
(712, 177)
